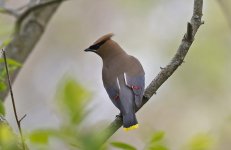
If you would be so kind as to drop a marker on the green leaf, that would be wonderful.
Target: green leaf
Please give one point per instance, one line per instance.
(41, 136)
(157, 141)
(123, 146)
(72, 99)
(8, 140)
(201, 142)
(158, 136)
(2, 108)
(6, 42)
(2, 86)
(157, 147)
(11, 62)
(12, 66)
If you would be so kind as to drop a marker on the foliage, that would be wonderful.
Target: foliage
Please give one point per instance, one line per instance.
(201, 141)
(123, 146)
(157, 141)
(2, 109)
(5, 43)
(8, 141)
(71, 99)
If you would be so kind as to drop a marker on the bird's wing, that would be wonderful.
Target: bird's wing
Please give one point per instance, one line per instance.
(136, 83)
(113, 92)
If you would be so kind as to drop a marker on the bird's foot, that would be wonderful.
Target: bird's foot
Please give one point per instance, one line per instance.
(119, 116)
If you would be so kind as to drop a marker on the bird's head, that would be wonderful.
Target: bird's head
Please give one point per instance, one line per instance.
(99, 44)
(104, 46)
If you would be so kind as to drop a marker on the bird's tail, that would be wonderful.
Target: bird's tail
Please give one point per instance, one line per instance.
(130, 122)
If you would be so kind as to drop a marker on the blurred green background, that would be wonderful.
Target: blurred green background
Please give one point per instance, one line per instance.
(192, 108)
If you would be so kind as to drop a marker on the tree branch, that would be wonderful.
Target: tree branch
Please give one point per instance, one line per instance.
(166, 72)
(29, 27)
(9, 11)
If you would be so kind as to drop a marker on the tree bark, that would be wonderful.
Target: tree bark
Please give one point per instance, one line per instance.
(30, 26)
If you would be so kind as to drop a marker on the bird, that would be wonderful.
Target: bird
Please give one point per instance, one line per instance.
(123, 78)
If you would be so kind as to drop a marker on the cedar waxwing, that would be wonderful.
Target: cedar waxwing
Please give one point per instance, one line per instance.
(123, 78)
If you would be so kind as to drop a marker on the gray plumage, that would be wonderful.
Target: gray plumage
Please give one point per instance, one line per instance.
(123, 78)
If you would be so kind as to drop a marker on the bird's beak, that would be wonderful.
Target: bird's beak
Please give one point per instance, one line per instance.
(89, 50)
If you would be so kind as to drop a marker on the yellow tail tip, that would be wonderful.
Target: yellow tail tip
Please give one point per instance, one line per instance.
(131, 127)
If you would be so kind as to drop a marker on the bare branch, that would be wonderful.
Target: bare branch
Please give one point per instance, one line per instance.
(9, 11)
(34, 9)
(167, 71)
(13, 101)
(24, 116)
(30, 26)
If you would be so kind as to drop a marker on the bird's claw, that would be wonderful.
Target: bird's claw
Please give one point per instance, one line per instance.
(119, 116)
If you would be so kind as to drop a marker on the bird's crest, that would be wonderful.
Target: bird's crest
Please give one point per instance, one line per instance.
(104, 38)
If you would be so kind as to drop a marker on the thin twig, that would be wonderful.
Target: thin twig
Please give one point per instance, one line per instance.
(167, 71)
(20, 120)
(13, 101)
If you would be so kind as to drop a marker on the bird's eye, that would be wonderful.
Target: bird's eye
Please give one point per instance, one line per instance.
(95, 47)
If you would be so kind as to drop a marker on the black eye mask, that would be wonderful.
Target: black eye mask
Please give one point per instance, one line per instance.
(97, 45)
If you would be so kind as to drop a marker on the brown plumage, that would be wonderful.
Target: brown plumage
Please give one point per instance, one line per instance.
(123, 78)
